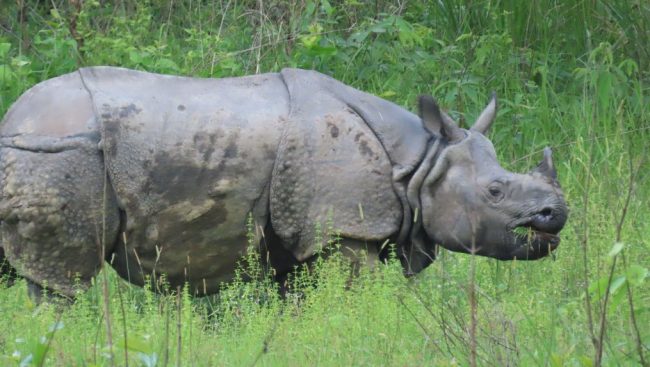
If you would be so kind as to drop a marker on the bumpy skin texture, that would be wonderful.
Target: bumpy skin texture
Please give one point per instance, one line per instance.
(341, 143)
(54, 203)
(158, 174)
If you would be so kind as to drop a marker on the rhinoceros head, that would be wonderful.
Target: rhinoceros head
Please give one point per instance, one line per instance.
(471, 204)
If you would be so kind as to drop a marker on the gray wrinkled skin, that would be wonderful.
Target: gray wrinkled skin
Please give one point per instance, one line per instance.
(157, 174)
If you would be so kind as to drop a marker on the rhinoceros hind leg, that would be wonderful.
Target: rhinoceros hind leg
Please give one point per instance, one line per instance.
(56, 210)
(39, 294)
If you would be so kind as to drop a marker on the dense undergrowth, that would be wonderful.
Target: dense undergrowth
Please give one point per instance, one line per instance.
(572, 75)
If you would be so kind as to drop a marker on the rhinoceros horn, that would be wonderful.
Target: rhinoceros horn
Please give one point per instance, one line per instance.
(546, 167)
(486, 118)
(437, 122)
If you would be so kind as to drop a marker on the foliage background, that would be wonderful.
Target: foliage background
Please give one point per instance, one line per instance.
(569, 74)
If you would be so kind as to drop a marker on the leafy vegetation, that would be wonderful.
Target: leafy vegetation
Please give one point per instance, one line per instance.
(572, 75)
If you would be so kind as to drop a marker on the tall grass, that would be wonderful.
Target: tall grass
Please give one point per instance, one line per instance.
(572, 75)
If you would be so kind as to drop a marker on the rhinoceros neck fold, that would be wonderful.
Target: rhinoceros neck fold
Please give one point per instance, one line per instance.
(416, 249)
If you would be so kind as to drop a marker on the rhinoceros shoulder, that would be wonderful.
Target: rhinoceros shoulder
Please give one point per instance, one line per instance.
(340, 156)
(400, 132)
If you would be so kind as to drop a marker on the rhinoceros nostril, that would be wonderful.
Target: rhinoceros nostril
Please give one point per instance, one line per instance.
(546, 212)
(547, 220)
(544, 217)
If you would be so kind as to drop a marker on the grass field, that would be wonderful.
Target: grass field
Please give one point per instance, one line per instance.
(572, 75)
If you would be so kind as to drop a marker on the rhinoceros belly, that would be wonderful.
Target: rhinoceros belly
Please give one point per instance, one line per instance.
(189, 159)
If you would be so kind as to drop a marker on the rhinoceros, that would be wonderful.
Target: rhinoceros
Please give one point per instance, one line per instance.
(160, 174)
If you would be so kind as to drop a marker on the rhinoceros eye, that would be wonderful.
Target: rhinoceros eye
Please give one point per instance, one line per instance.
(495, 191)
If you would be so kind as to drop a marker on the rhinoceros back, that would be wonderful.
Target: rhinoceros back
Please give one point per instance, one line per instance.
(188, 159)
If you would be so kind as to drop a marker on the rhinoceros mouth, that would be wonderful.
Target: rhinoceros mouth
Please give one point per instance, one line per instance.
(535, 241)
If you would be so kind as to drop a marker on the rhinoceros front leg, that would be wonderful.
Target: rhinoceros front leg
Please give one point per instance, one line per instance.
(360, 253)
(7, 272)
(56, 213)
(281, 262)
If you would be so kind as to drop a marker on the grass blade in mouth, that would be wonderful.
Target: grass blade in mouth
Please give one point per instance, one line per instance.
(526, 232)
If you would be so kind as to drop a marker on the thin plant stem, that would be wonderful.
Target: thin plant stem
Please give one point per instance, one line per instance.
(179, 330)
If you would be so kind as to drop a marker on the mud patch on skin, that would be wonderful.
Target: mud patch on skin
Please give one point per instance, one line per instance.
(193, 211)
(174, 175)
(216, 215)
(205, 144)
(114, 120)
(111, 134)
(128, 110)
(231, 150)
(365, 150)
(333, 122)
(170, 174)
(269, 152)
(334, 130)
(220, 189)
(193, 223)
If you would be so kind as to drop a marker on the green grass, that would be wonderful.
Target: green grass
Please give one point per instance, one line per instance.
(572, 75)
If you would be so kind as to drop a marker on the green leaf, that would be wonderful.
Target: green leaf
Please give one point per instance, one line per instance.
(149, 360)
(378, 28)
(636, 274)
(318, 50)
(38, 352)
(135, 57)
(641, 310)
(359, 37)
(20, 61)
(618, 246)
(388, 94)
(55, 14)
(598, 288)
(6, 75)
(407, 34)
(327, 7)
(616, 299)
(136, 343)
(166, 65)
(586, 361)
(27, 361)
(604, 87)
(629, 67)
(4, 48)
(616, 284)
(464, 36)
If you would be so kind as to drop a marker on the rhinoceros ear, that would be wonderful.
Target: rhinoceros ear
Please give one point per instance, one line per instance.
(486, 118)
(437, 122)
(546, 167)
